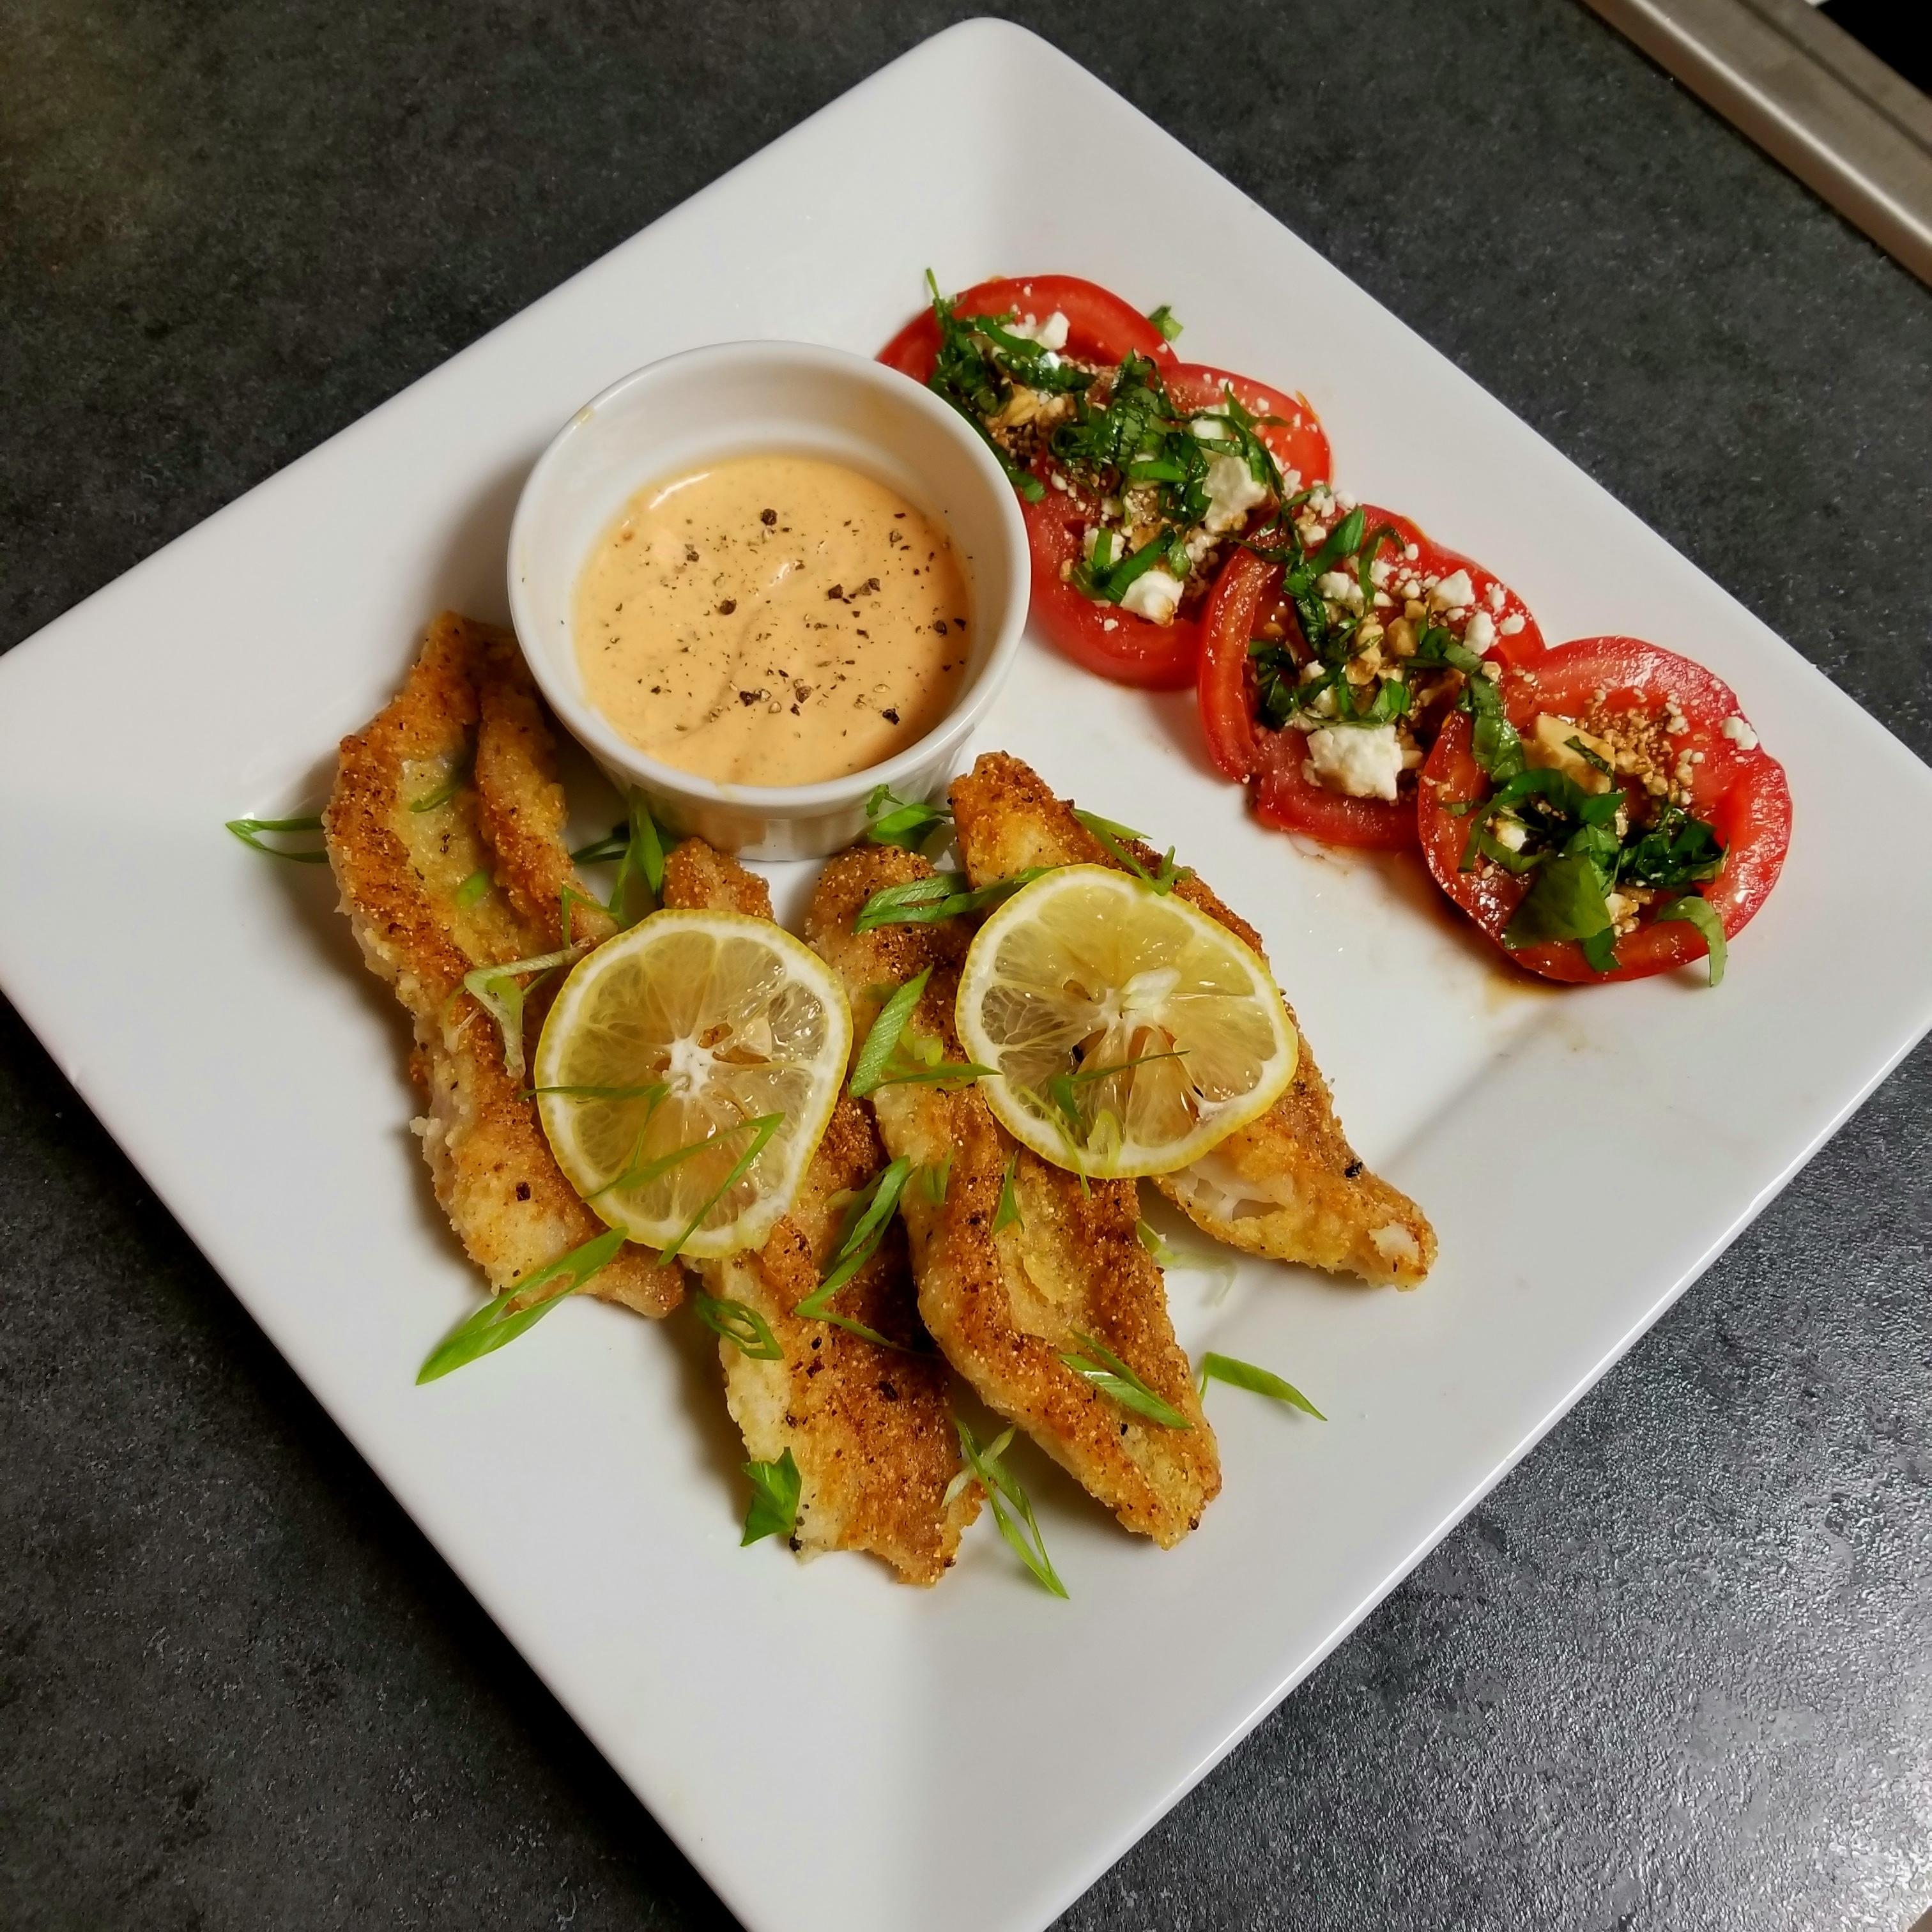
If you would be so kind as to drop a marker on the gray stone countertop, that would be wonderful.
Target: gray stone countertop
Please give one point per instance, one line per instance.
(1677, 1671)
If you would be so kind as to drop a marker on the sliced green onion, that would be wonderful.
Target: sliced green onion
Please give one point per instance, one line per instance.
(1098, 1366)
(939, 896)
(1695, 909)
(641, 1172)
(735, 1322)
(473, 888)
(866, 1221)
(248, 831)
(882, 1040)
(1007, 1214)
(893, 821)
(445, 791)
(640, 873)
(1163, 879)
(1259, 1380)
(773, 1509)
(498, 990)
(600, 851)
(1011, 1509)
(933, 1179)
(994, 1450)
(507, 1316)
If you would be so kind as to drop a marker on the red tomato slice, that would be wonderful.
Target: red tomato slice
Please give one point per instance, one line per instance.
(1742, 794)
(1297, 442)
(1100, 637)
(1100, 327)
(1248, 592)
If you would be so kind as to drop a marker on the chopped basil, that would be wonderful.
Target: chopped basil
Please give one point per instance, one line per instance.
(736, 1322)
(506, 1316)
(773, 1509)
(248, 830)
(1098, 1366)
(1260, 1382)
(1162, 319)
(1696, 910)
(1011, 1509)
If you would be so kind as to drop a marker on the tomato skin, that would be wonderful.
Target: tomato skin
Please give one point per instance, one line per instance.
(1743, 795)
(1298, 443)
(1100, 327)
(1155, 657)
(1285, 797)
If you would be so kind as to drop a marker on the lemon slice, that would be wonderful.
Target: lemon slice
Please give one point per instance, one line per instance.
(1131, 1031)
(685, 1074)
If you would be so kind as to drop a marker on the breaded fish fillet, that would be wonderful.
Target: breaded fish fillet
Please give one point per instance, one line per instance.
(1287, 1185)
(870, 1428)
(1005, 1305)
(399, 867)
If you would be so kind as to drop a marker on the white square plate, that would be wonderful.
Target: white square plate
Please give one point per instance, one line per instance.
(825, 1744)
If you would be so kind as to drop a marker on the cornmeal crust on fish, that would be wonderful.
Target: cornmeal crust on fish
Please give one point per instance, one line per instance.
(869, 1427)
(465, 731)
(1287, 1185)
(1005, 1305)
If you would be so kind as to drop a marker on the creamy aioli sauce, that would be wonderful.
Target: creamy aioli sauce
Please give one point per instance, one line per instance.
(772, 620)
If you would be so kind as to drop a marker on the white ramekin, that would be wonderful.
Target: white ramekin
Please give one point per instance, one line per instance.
(734, 400)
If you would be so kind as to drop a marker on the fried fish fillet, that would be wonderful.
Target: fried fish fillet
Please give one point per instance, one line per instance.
(1004, 1305)
(870, 1428)
(1287, 1185)
(465, 731)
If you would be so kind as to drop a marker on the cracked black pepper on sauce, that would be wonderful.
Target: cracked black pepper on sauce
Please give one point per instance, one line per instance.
(772, 620)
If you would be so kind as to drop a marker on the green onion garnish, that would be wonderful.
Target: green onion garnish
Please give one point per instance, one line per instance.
(507, 1316)
(773, 1509)
(1260, 1381)
(866, 1219)
(893, 821)
(641, 1172)
(882, 1040)
(1100, 1368)
(933, 1179)
(500, 991)
(1111, 836)
(473, 888)
(939, 896)
(445, 791)
(248, 830)
(1011, 1509)
(1007, 1214)
(734, 1322)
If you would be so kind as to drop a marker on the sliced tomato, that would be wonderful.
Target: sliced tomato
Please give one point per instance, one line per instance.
(1100, 327)
(1740, 794)
(1101, 638)
(1249, 594)
(1295, 439)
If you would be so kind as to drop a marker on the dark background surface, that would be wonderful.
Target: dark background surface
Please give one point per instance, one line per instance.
(1676, 1672)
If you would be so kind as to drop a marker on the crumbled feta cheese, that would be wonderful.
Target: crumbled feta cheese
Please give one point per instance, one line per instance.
(1384, 601)
(1481, 634)
(1202, 429)
(1359, 761)
(1290, 481)
(1050, 334)
(1154, 595)
(1511, 832)
(1511, 625)
(1232, 492)
(1453, 592)
(1410, 551)
(1335, 585)
(1495, 598)
(1380, 572)
(1740, 734)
